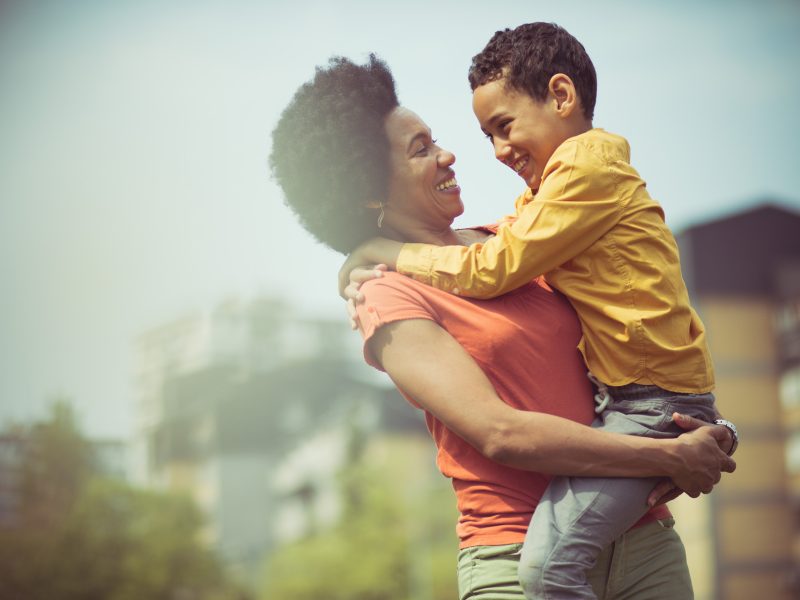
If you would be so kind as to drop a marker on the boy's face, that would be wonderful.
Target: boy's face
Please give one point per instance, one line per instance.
(524, 131)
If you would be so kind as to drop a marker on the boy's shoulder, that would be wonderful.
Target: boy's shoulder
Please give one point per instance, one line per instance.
(605, 146)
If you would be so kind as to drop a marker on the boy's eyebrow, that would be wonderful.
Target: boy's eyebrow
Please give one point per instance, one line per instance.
(493, 119)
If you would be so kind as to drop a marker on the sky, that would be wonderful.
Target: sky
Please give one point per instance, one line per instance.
(134, 137)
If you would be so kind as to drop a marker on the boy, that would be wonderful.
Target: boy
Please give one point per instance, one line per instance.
(587, 222)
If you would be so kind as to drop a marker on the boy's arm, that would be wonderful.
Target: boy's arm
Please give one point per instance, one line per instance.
(379, 254)
(577, 203)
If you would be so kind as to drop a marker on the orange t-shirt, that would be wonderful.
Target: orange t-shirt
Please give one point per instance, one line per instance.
(526, 343)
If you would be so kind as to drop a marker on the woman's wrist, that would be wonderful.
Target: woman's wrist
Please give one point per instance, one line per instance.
(733, 436)
(661, 457)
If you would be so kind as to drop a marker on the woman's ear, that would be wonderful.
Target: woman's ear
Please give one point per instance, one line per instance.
(562, 91)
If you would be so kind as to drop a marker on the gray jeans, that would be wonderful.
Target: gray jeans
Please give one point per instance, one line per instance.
(578, 517)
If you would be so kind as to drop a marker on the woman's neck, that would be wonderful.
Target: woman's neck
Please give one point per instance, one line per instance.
(423, 235)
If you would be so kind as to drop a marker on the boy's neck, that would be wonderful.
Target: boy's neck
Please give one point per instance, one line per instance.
(580, 126)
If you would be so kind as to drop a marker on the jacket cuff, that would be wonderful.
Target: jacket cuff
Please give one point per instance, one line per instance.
(416, 261)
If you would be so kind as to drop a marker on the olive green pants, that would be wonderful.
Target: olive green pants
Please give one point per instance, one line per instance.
(647, 563)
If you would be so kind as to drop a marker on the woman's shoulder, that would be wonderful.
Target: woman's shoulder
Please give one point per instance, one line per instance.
(391, 298)
(393, 289)
(393, 281)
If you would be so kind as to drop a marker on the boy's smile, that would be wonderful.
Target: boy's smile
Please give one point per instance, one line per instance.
(525, 132)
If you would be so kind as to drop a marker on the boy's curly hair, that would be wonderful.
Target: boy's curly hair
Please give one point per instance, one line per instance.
(529, 55)
(330, 152)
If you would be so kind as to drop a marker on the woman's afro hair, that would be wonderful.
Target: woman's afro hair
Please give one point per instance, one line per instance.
(330, 152)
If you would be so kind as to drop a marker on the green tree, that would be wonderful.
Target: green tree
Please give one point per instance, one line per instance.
(389, 545)
(80, 536)
(135, 544)
(53, 467)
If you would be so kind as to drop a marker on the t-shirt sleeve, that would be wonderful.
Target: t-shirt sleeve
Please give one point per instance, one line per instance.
(577, 203)
(389, 299)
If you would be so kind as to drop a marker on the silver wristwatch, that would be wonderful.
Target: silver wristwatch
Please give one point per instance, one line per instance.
(732, 428)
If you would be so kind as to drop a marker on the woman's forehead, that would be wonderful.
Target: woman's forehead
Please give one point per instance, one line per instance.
(403, 125)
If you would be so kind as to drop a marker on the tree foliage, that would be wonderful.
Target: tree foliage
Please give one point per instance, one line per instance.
(77, 535)
(389, 545)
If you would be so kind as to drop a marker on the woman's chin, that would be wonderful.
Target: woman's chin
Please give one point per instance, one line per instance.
(455, 208)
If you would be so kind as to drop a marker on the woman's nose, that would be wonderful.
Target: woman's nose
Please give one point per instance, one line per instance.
(445, 158)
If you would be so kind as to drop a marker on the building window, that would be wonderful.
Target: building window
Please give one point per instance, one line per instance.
(790, 388)
(787, 317)
(793, 453)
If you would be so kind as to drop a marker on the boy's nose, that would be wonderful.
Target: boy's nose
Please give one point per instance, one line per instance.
(501, 150)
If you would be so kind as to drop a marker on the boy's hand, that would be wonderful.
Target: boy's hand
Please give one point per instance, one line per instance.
(352, 292)
(372, 252)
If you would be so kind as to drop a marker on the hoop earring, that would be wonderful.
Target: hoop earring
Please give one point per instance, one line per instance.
(380, 217)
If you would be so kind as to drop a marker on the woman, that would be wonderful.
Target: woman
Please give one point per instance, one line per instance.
(501, 382)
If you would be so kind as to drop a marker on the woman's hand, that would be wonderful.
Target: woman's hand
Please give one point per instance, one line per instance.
(690, 423)
(700, 481)
(663, 493)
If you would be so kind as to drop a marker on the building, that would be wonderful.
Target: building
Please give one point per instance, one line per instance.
(743, 273)
(230, 399)
(381, 434)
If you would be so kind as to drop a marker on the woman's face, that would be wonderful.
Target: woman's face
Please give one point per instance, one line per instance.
(423, 192)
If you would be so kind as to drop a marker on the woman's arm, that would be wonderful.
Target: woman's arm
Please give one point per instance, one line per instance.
(427, 363)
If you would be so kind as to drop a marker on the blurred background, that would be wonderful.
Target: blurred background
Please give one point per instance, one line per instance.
(184, 412)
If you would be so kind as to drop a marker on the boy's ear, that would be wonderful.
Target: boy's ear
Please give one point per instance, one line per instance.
(563, 92)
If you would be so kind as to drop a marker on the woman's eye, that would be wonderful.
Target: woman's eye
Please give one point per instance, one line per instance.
(423, 151)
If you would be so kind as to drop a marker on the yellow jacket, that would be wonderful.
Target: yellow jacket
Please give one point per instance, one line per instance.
(597, 236)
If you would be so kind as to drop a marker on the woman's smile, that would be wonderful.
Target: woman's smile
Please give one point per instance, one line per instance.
(450, 186)
(423, 189)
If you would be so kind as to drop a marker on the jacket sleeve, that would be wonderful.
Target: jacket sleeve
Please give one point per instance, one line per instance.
(577, 203)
